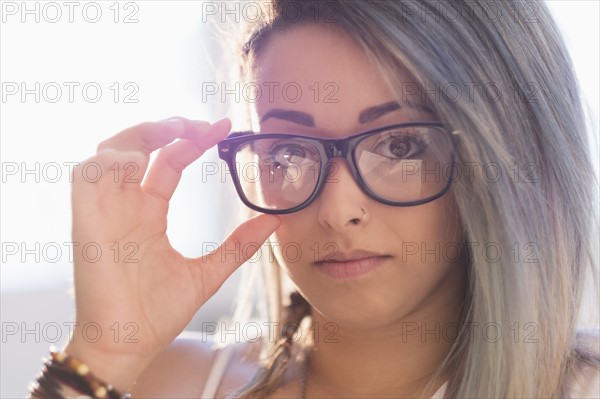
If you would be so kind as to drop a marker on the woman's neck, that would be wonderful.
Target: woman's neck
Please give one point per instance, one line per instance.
(395, 360)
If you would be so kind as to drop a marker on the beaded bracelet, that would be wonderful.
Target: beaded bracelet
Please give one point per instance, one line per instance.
(73, 373)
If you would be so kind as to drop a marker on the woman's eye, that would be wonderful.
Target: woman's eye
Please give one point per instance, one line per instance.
(286, 154)
(400, 147)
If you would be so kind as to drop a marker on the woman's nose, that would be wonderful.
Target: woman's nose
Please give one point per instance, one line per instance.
(341, 204)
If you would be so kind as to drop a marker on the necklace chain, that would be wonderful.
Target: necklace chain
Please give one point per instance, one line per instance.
(304, 379)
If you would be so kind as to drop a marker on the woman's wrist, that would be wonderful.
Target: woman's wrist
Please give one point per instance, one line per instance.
(65, 376)
(120, 370)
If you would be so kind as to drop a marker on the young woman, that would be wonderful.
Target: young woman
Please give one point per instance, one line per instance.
(433, 181)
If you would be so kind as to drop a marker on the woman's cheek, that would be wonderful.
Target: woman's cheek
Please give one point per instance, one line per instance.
(291, 240)
(287, 252)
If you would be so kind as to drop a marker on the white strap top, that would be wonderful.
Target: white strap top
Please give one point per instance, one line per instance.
(439, 394)
(217, 371)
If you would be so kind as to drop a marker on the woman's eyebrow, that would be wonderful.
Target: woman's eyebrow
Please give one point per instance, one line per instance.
(301, 118)
(372, 113)
(367, 115)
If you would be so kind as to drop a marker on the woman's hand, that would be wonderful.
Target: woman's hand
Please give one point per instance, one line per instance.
(139, 292)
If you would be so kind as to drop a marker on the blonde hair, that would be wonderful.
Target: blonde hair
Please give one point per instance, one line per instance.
(533, 126)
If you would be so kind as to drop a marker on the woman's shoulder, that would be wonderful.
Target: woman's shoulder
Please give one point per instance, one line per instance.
(182, 370)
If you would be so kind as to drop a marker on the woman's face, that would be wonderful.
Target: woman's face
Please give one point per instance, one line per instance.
(411, 274)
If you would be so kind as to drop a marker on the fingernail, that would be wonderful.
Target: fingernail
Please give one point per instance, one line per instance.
(220, 122)
(197, 123)
(173, 119)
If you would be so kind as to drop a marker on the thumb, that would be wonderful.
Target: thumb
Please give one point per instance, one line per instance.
(241, 244)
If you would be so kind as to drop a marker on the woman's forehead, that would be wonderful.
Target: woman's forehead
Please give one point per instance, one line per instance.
(322, 72)
(311, 53)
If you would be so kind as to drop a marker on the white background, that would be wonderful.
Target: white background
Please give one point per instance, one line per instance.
(167, 55)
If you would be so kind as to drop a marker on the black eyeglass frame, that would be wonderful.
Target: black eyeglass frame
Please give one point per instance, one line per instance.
(328, 149)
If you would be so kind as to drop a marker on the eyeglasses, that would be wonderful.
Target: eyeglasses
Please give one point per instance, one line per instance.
(400, 165)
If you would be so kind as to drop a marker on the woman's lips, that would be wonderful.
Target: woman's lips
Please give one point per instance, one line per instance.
(351, 268)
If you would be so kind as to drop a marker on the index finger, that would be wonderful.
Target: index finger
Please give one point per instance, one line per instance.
(149, 136)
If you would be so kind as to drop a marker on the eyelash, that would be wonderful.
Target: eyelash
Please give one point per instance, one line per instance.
(420, 141)
(272, 153)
